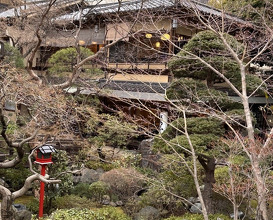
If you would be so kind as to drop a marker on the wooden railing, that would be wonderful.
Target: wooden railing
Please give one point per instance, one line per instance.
(146, 66)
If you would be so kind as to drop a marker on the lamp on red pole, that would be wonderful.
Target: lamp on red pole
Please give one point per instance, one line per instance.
(44, 157)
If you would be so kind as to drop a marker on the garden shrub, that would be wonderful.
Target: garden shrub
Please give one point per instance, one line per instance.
(33, 206)
(13, 56)
(98, 189)
(82, 190)
(65, 59)
(123, 182)
(73, 201)
(107, 213)
(162, 200)
(15, 177)
(91, 164)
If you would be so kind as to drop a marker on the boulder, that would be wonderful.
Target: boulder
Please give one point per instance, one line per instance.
(113, 204)
(119, 203)
(196, 208)
(148, 158)
(240, 215)
(106, 200)
(89, 176)
(147, 213)
(20, 212)
(22, 215)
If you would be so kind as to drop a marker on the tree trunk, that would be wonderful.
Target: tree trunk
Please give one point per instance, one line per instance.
(6, 204)
(209, 180)
(261, 190)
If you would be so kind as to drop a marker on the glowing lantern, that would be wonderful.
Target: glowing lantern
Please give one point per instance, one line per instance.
(148, 36)
(81, 42)
(165, 37)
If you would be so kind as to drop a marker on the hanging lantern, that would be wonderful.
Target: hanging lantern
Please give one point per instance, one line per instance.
(165, 37)
(157, 44)
(81, 42)
(180, 38)
(149, 36)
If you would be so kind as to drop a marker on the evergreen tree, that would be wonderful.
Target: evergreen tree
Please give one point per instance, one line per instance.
(201, 100)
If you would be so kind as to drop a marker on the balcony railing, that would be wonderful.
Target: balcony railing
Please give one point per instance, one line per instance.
(144, 66)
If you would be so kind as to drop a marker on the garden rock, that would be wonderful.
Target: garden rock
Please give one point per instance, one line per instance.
(112, 204)
(106, 200)
(196, 208)
(119, 203)
(240, 215)
(89, 176)
(20, 212)
(147, 213)
(148, 158)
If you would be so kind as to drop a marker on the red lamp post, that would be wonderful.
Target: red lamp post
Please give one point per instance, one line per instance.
(44, 157)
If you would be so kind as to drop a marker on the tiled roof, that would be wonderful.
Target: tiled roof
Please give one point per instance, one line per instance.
(32, 5)
(134, 86)
(45, 149)
(137, 95)
(128, 6)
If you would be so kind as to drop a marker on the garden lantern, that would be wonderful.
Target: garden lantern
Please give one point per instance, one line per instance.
(44, 154)
(44, 157)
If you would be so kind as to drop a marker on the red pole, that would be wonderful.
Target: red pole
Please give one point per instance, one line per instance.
(42, 191)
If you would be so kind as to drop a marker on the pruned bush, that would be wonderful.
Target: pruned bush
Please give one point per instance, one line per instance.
(65, 59)
(98, 189)
(123, 182)
(108, 213)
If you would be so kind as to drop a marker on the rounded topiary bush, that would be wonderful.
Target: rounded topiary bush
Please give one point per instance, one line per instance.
(123, 182)
(65, 59)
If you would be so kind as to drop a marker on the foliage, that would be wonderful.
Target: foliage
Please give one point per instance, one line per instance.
(254, 10)
(209, 47)
(108, 213)
(199, 217)
(60, 165)
(98, 189)
(123, 182)
(173, 137)
(82, 190)
(11, 128)
(189, 90)
(73, 201)
(33, 206)
(162, 200)
(111, 130)
(252, 82)
(93, 164)
(13, 56)
(65, 59)
(15, 177)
